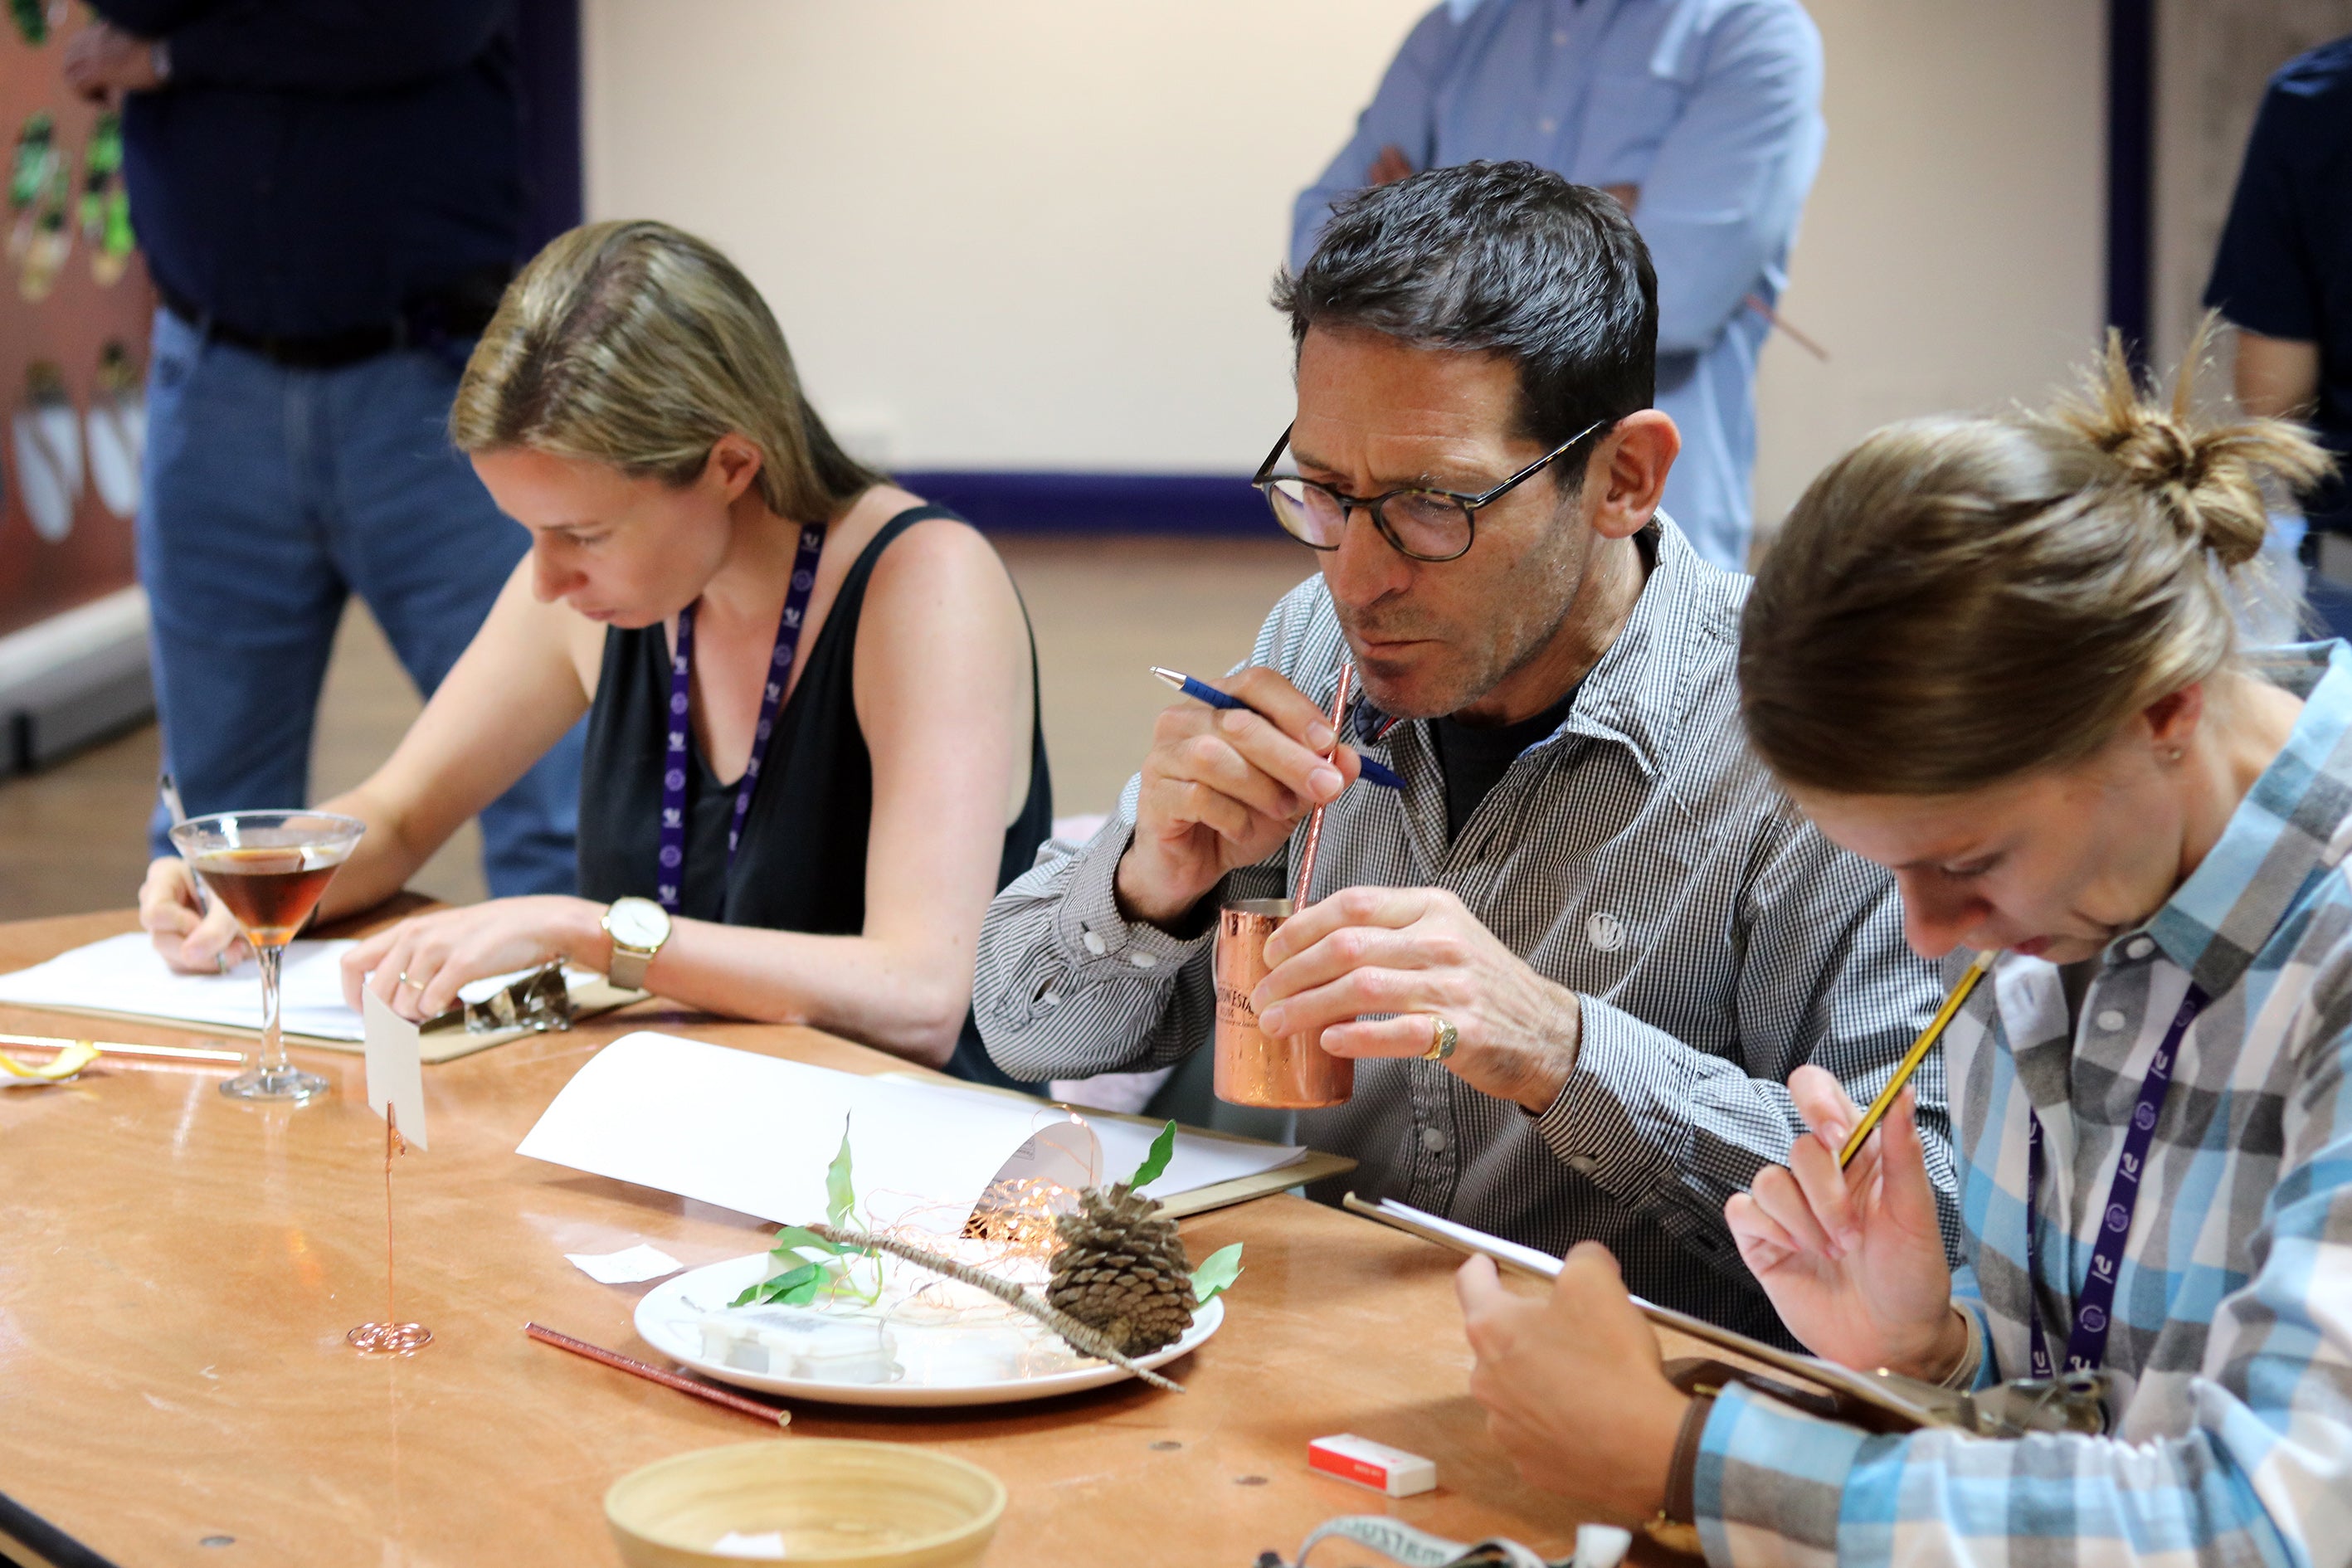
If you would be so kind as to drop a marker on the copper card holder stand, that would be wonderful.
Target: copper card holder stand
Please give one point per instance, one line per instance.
(1289, 1072)
(390, 1337)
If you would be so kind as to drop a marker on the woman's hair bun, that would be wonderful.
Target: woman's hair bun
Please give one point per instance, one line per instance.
(2204, 476)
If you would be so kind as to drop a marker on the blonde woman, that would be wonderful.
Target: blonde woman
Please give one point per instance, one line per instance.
(1996, 656)
(814, 751)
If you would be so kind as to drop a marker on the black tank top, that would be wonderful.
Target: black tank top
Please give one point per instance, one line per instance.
(800, 864)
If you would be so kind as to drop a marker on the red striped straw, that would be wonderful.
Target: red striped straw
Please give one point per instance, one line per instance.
(1314, 822)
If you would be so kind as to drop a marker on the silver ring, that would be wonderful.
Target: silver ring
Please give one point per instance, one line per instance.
(220, 960)
(412, 985)
(1441, 1040)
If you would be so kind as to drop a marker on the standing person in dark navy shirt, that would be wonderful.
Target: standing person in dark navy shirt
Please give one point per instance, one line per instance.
(330, 197)
(2283, 276)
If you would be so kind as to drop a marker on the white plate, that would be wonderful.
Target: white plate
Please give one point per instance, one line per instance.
(985, 1362)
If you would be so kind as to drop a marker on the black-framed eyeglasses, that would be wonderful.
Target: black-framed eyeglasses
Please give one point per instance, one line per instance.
(1424, 524)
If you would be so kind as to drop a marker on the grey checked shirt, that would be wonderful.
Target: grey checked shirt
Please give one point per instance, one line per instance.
(1639, 857)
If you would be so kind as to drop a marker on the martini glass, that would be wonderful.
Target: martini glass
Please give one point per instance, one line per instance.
(269, 868)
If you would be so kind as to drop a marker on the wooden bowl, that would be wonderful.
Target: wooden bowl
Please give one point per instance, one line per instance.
(878, 1505)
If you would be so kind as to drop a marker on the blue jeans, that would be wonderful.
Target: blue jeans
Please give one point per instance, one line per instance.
(269, 497)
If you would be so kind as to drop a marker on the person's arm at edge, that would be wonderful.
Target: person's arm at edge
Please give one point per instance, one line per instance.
(1399, 116)
(942, 697)
(2275, 378)
(1724, 191)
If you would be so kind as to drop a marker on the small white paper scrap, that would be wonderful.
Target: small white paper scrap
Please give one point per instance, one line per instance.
(395, 1068)
(625, 1267)
(769, 1544)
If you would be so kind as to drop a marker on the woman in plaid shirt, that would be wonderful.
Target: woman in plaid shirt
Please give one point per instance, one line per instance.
(1996, 656)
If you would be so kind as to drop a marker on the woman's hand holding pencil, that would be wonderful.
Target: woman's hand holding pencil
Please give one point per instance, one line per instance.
(1853, 1257)
(1223, 788)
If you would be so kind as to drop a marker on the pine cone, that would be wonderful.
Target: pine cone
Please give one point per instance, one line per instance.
(1122, 1269)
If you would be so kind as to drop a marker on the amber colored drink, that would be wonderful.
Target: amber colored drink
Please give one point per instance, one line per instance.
(270, 892)
(268, 868)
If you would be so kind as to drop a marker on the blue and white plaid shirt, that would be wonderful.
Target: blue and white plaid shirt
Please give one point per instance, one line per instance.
(2232, 1346)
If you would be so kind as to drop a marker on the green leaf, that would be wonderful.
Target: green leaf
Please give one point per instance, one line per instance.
(1163, 1149)
(795, 1286)
(1217, 1271)
(793, 1236)
(840, 1197)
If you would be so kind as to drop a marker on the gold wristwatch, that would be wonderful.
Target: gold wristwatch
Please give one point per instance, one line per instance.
(638, 927)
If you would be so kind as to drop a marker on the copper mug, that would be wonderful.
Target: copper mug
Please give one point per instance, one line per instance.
(1293, 1071)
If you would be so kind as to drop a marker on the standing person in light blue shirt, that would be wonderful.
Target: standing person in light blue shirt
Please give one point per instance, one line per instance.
(1703, 117)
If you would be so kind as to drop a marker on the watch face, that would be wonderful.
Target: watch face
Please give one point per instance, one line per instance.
(638, 923)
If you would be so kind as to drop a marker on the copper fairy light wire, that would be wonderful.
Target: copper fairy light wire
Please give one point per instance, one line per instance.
(390, 1337)
(1314, 822)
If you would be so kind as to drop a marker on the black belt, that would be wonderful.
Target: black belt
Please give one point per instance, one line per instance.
(451, 315)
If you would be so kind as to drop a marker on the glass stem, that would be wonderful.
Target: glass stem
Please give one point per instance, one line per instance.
(273, 1040)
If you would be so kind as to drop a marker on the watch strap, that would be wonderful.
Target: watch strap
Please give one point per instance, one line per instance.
(626, 967)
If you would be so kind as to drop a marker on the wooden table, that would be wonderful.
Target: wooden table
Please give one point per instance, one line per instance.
(177, 1270)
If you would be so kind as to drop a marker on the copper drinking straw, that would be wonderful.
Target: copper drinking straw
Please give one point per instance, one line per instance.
(1314, 822)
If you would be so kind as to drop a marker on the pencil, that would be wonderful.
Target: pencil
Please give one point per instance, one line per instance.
(1915, 1056)
(117, 1048)
(734, 1402)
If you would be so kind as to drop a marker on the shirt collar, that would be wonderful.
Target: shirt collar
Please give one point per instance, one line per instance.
(2297, 819)
(1635, 694)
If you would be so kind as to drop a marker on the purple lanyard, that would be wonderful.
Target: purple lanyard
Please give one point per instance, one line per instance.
(2086, 1344)
(671, 879)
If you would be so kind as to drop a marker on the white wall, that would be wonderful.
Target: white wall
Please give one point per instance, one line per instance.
(1953, 253)
(1019, 233)
(1035, 235)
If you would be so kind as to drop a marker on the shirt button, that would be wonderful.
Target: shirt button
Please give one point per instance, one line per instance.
(1433, 1140)
(2139, 947)
(1546, 125)
(1582, 1164)
(1605, 930)
(1560, 37)
(2111, 1019)
(1144, 960)
(1095, 943)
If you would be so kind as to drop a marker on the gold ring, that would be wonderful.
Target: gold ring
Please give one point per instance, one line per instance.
(1442, 1038)
(412, 985)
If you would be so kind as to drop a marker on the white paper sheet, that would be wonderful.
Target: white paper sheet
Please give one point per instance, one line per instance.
(754, 1134)
(126, 974)
(626, 1267)
(396, 1068)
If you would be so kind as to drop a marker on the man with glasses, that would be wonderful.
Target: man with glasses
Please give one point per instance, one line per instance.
(1701, 117)
(1578, 954)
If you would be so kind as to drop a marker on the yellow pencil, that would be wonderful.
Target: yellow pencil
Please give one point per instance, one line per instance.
(1915, 1056)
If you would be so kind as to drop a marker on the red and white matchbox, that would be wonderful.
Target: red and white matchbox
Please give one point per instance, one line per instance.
(1373, 1465)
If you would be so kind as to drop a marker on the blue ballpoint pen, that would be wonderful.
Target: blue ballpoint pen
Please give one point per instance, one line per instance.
(1201, 692)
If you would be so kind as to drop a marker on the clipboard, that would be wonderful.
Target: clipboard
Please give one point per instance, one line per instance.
(1883, 1401)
